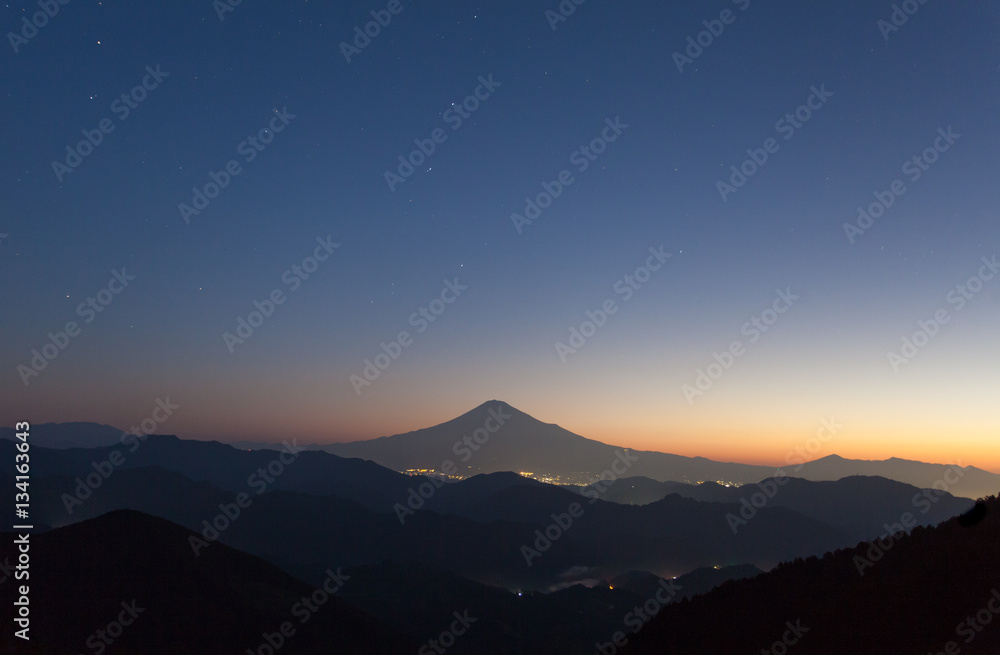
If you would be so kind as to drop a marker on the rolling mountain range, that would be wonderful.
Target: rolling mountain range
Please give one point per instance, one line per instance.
(520, 443)
(485, 541)
(854, 504)
(221, 536)
(479, 528)
(524, 443)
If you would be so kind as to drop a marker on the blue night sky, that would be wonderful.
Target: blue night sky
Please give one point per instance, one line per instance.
(312, 136)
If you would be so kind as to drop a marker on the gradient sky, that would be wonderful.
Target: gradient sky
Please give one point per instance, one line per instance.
(323, 176)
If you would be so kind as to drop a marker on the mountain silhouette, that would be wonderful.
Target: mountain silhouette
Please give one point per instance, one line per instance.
(68, 435)
(550, 568)
(219, 602)
(521, 444)
(526, 444)
(913, 593)
(860, 505)
(482, 541)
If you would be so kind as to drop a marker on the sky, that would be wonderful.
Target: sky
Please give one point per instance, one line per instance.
(681, 184)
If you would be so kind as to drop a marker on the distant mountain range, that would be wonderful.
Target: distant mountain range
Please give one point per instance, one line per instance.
(219, 545)
(522, 443)
(496, 437)
(525, 444)
(856, 504)
(69, 435)
(478, 528)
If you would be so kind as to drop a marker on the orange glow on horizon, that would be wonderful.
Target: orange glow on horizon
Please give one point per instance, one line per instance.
(762, 443)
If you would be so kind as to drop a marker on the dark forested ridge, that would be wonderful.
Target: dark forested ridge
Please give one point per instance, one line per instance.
(913, 593)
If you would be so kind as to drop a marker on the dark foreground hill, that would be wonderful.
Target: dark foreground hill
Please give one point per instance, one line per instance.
(936, 590)
(133, 577)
